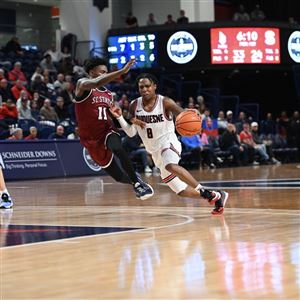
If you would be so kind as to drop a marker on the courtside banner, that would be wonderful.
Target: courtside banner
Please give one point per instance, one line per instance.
(21, 160)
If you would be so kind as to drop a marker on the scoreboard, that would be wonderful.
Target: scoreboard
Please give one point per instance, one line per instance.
(199, 46)
(244, 45)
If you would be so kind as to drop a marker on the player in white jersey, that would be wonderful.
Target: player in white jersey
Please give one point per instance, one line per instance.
(153, 121)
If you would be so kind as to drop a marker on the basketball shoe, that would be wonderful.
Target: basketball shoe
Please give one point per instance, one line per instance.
(220, 203)
(6, 201)
(142, 189)
(210, 196)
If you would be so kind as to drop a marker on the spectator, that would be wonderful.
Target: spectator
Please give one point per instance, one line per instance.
(182, 19)
(292, 21)
(133, 145)
(47, 112)
(170, 20)
(222, 122)
(61, 110)
(151, 21)
(33, 132)
(56, 56)
(5, 92)
(47, 64)
(268, 126)
(14, 46)
(257, 14)
(39, 86)
(17, 88)
(229, 116)
(67, 94)
(24, 112)
(131, 21)
(8, 112)
(229, 141)
(2, 74)
(59, 134)
(16, 135)
(17, 74)
(35, 112)
(38, 71)
(74, 135)
(241, 14)
(23, 95)
(260, 141)
(59, 82)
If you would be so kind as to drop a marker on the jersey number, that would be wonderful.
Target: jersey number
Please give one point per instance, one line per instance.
(149, 133)
(102, 113)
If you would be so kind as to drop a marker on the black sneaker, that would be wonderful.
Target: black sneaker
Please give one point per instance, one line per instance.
(6, 201)
(210, 196)
(220, 204)
(142, 189)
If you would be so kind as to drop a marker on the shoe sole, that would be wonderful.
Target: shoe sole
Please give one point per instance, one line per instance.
(223, 208)
(145, 197)
(6, 207)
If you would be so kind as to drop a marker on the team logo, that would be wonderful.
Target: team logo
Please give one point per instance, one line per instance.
(89, 161)
(182, 47)
(294, 46)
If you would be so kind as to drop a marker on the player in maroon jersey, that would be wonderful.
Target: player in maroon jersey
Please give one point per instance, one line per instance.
(96, 128)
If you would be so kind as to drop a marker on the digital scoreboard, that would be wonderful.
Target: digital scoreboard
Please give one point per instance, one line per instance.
(140, 46)
(245, 45)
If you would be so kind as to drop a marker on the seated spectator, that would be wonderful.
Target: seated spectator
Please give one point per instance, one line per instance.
(182, 19)
(61, 110)
(5, 92)
(24, 111)
(38, 71)
(35, 112)
(39, 86)
(47, 64)
(17, 74)
(2, 74)
(47, 112)
(131, 21)
(283, 124)
(14, 46)
(170, 20)
(229, 141)
(135, 149)
(67, 94)
(241, 14)
(59, 82)
(17, 89)
(222, 122)
(242, 119)
(56, 55)
(66, 66)
(247, 140)
(74, 135)
(268, 126)
(229, 116)
(16, 135)
(8, 112)
(59, 134)
(151, 21)
(260, 141)
(23, 95)
(33, 132)
(257, 14)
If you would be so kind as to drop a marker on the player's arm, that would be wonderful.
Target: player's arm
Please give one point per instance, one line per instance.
(116, 111)
(86, 84)
(171, 106)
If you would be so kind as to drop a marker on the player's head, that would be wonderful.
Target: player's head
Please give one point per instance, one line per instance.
(95, 66)
(147, 84)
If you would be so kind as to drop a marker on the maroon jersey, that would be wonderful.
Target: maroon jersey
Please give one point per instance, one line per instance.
(93, 116)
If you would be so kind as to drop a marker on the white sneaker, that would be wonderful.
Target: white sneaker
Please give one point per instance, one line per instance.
(6, 201)
(147, 169)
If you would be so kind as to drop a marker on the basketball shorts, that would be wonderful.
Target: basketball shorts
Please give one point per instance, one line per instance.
(99, 152)
(169, 153)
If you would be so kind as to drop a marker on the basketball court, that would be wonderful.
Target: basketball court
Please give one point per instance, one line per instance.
(89, 238)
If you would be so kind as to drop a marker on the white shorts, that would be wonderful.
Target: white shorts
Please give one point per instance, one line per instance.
(169, 153)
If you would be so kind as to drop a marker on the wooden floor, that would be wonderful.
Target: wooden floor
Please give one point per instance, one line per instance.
(172, 248)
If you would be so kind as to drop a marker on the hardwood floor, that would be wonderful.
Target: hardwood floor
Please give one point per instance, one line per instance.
(89, 238)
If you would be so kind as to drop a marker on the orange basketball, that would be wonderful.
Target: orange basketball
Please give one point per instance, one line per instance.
(188, 123)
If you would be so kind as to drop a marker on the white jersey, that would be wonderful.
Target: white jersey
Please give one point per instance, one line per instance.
(160, 129)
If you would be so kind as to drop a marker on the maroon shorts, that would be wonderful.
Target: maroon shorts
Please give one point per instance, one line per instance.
(98, 151)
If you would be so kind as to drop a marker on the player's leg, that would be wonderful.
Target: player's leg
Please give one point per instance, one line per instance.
(5, 198)
(142, 189)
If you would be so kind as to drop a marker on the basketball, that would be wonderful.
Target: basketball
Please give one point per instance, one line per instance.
(188, 123)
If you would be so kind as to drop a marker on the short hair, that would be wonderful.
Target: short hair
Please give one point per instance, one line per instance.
(148, 76)
(93, 62)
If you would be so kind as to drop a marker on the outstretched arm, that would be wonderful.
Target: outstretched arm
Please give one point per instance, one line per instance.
(86, 84)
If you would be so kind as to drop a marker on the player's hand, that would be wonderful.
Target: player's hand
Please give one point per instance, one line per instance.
(129, 64)
(138, 122)
(116, 111)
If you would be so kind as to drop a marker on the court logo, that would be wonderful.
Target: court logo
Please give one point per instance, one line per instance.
(89, 161)
(182, 47)
(294, 46)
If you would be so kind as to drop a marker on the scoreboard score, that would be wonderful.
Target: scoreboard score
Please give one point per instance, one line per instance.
(140, 46)
(244, 45)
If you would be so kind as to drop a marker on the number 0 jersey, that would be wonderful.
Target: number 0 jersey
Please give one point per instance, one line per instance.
(160, 128)
(93, 116)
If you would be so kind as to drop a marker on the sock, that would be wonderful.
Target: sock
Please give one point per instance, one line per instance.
(199, 187)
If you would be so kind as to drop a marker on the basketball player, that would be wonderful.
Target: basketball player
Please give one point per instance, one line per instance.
(154, 123)
(5, 198)
(96, 128)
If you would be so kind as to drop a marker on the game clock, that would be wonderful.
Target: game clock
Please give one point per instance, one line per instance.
(244, 45)
(142, 47)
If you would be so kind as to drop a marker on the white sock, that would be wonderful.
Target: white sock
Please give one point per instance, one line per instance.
(199, 187)
(4, 191)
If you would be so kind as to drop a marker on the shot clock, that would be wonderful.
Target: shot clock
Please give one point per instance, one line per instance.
(244, 45)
